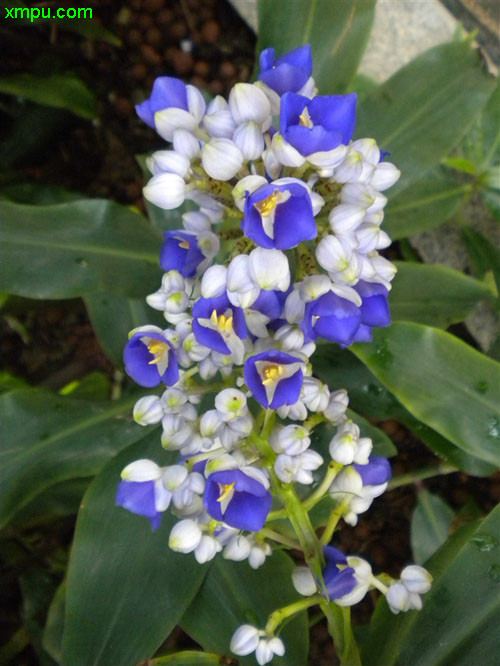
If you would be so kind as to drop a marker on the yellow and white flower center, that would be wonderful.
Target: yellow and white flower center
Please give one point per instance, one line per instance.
(226, 491)
(272, 373)
(305, 119)
(223, 322)
(159, 349)
(267, 209)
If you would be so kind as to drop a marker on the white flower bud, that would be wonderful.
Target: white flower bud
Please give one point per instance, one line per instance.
(174, 476)
(171, 162)
(272, 96)
(350, 168)
(195, 102)
(269, 269)
(267, 648)
(196, 221)
(368, 148)
(294, 307)
(303, 581)
(348, 481)
(296, 412)
(290, 338)
(231, 404)
(286, 467)
(272, 166)
(185, 536)
(315, 395)
(210, 423)
(207, 549)
(314, 286)
(239, 277)
(237, 548)
(328, 159)
(416, 579)
(383, 270)
(185, 143)
(346, 218)
(247, 184)
(148, 410)
(166, 190)
(285, 153)
(245, 640)
(141, 470)
(293, 440)
(218, 120)
(398, 598)
(337, 406)
(384, 176)
(171, 119)
(371, 237)
(213, 282)
(332, 254)
(243, 299)
(208, 243)
(363, 576)
(258, 554)
(221, 159)
(249, 102)
(175, 432)
(249, 139)
(359, 194)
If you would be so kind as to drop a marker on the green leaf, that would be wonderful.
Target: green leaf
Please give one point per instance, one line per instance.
(126, 590)
(337, 32)
(54, 625)
(9, 382)
(483, 254)
(441, 381)
(460, 164)
(38, 194)
(233, 594)
(113, 317)
(188, 658)
(423, 111)
(434, 295)
(430, 525)
(371, 398)
(49, 439)
(59, 500)
(63, 91)
(94, 386)
(72, 249)
(424, 205)
(458, 625)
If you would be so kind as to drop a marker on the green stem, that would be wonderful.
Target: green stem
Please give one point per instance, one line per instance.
(332, 471)
(334, 518)
(277, 617)
(421, 474)
(279, 538)
(339, 628)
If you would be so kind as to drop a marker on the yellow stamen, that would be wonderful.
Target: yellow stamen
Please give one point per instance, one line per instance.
(272, 373)
(184, 244)
(158, 349)
(305, 119)
(267, 205)
(223, 323)
(226, 490)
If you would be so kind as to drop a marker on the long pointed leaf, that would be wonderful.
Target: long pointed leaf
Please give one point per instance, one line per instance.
(126, 590)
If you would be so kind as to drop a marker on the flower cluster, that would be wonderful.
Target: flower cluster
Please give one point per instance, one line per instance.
(282, 250)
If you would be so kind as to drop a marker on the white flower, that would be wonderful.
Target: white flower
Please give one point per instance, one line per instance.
(207, 549)
(258, 553)
(196, 221)
(285, 153)
(185, 536)
(166, 190)
(267, 648)
(249, 139)
(269, 269)
(384, 176)
(337, 405)
(185, 143)
(245, 640)
(416, 579)
(248, 102)
(231, 404)
(398, 598)
(363, 576)
(293, 440)
(221, 159)
(141, 470)
(170, 161)
(303, 581)
(314, 394)
(218, 120)
(237, 548)
(148, 410)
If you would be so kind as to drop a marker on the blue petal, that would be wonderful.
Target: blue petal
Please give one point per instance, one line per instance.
(375, 306)
(376, 472)
(210, 338)
(308, 140)
(136, 358)
(284, 78)
(363, 334)
(292, 106)
(301, 57)
(139, 498)
(288, 390)
(334, 555)
(267, 58)
(340, 584)
(335, 113)
(248, 512)
(167, 92)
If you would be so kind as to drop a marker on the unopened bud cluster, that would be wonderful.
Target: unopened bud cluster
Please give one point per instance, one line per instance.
(282, 251)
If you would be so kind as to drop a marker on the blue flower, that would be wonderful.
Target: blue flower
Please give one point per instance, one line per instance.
(374, 309)
(274, 378)
(237, 499)
(139, 497)
(279, 216)
(376, 472)
(319, 124)
(167, 92)
(331, 317)
(180, 252)
(216, 321)
(289, 72)
(339, 580)
(150, 360)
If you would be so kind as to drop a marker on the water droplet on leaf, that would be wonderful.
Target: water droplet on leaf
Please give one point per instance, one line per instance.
(493, 426)
(484, 542)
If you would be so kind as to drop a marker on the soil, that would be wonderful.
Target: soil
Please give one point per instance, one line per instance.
(52, 343)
